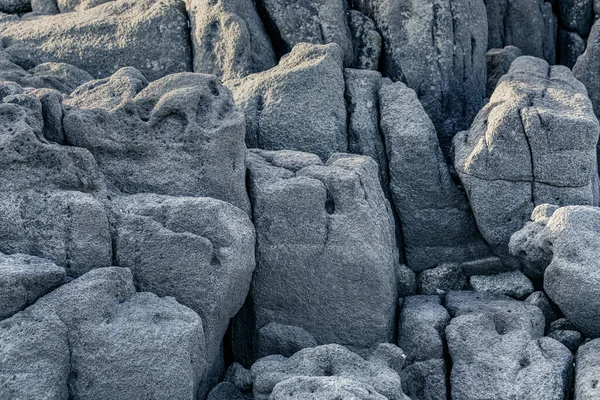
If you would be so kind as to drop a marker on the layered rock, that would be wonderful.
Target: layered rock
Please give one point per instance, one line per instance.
(149, 35)
(229, 38)
(534, 143)
(438, 49)
(587, 68)
(298, 105)
(437, 223)
(180, 135)
(325, 241)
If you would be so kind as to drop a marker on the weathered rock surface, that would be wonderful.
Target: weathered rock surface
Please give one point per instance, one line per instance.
(497, 339)
(569, 47)
(565, 244)
(180, 135)
(225, 391)
(498, 63)
(229, 38)
(441, 279)
(540, 300)
(437, 223)
(438, 49)
(282, 339)
(24, 279)
(513, 284)
(149, 35)
(298, 105)
(309, 21)
(587, 369)
(329, 370)
(326, 249)
(587, 68)
(67, 6)
(15, 6)
(534, 143)
(529, 25)
(576, 15)
(366, 41)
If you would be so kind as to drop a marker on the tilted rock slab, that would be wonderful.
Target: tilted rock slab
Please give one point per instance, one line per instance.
(437, 47)
(181, 135)
(149, 35)
(326, 249)
(437, 223)
(534, 143)
(298, 105)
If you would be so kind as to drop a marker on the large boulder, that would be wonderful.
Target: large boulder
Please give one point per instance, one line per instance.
(498, 351)
(563, 246)
(180, 135)
(308, 21)
(437, 47)
(529, 25)
(587, 68)
(326, 248)
(587, 370)
(534, 143)
(229, 38)
(23, 279)
(328, 370)
(149, 35)
(49, 194)
(436, 220)
(298, 105)
(198, 250)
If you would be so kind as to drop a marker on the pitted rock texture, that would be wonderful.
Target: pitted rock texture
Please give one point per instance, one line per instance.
(534, 143)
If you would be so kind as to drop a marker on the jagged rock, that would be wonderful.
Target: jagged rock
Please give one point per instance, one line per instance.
(366, 41)
(49, 194)
(540, 300)
(534, 143)
(330, 370)
(437, 223)
(528, 24)
(15, 6)
(587, 68)
(569, 47)
(567, 243)
(587, 369)
(310, 21)
(180, 135)
(438, 49)
(282, 339)
(24, 279)
(441, 279)
(513, 284)
(498, 63)
(106, 38)
(364, 136)
(198, 250)
(229, 39)
(239, 376)
(406, 281)
(326, 242)
(425, 380)
(225, 391)
(498, 339)
(576, 15)
(298, 105)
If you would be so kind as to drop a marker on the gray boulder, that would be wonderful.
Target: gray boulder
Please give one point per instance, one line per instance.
(587, 370)
(180, 135)
(513, 284)
(534, 143)
(198, 250)
(425, 380)
(111, 36)
(331, 370)
(366, 41)
(441, 279)
(309, 21)
(326, 247)
(437, 223)
(298, 105)
(494, 339)
(587, 68)
(498, 63)
(438, 49)
(529, 25)
(282, 339)
(568, 245)
(406, 280)
(569, 47)
(24, 279)
(576, 15)
(229, 39)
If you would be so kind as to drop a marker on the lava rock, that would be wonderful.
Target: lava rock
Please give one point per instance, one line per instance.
(540, 300)
(425, 380)
(498, 63)
(15, 6)
(225, 391)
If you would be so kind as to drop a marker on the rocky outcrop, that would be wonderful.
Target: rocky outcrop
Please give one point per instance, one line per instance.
(298, 105)
(534, 143)
(436, 221)
(587, 68)
(229, 38)
(325, 240)
(149, 35)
